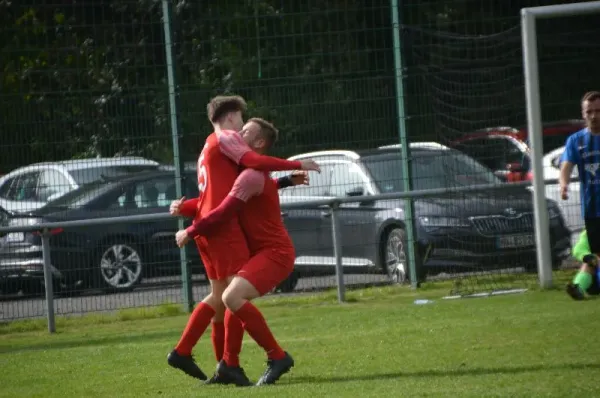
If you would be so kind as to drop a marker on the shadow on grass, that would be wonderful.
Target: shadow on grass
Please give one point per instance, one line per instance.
(89, 342)
(463, 371)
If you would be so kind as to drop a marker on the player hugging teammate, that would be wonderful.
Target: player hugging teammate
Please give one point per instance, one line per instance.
(583, 150)
(244, 245)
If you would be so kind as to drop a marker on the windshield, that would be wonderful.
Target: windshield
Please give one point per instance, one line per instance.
(430, 170)
(77, 198)
(552, 142)
(85, 176)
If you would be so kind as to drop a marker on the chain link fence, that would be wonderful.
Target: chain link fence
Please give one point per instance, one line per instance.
(103, 110)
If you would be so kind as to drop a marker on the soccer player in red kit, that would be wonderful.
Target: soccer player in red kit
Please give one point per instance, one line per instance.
(224, 252)
(255, 201)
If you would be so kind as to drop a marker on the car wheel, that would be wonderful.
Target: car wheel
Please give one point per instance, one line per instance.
(395, 259)
(120, 267)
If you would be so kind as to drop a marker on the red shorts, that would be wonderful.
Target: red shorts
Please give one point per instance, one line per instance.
(222, 261)
(268, 268)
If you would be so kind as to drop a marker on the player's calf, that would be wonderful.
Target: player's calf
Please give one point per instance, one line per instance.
(587, 279)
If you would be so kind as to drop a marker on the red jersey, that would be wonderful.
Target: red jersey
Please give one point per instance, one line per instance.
(216, 175)
(260, 217)
(218, 168)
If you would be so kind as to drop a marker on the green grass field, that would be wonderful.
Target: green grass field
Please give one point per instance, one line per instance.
(537, 344)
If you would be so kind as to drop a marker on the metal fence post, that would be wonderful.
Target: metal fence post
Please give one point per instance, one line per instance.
(337, 252)
(186, 275)
(405, 146)
(48, 280)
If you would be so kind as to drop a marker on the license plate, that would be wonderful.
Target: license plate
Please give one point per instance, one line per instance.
(513, 241)
(12, 237)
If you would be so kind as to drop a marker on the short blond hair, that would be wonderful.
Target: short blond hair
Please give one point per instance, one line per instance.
(590, 96)
(267, 130)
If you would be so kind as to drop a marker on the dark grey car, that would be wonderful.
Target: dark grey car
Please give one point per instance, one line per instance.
(457, 231)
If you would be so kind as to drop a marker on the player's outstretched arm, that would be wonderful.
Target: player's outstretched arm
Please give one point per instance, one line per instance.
(296, 178)
(248, 184)
(283, 182)
(189, 207)
(235, 148)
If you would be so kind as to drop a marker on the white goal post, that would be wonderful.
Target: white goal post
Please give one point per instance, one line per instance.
(529, 16)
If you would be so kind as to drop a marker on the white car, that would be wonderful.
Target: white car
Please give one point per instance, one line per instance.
(31, 187)
(571, 208)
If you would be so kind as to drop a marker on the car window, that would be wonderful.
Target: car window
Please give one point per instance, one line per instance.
(495, 152)
(88, 175)
(319, 184)
(51, 183)
(5, 189)
(25, 187)
(191, 186)
(345, 178)
(430, 170)
(155, 193)
(554, 141)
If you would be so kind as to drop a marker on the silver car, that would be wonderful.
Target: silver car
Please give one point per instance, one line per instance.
(31, 187)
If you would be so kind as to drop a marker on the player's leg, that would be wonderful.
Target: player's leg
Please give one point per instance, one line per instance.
(234, 330)
(586, 248)
(181, 357)
(256, 278)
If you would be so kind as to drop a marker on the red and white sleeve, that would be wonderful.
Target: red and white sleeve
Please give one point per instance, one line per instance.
(248, 184)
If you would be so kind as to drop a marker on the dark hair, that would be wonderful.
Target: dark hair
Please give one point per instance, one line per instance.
(590, 96)
(221, 105)
(267, 130)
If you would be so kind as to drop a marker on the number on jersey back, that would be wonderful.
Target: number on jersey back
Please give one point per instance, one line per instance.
(202, 175)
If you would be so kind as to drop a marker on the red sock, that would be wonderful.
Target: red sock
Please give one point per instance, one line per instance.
(257, 328)
(234, 335)
(196, 326)
(218, 339)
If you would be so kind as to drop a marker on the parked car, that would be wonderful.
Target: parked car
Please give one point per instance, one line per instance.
(505, 150)
(114, 257)
(454, 231)
(31, 187)
(4, 217)
(570, 208)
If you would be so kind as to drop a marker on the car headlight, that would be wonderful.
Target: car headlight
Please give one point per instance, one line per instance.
(553, 213)
(433, 222)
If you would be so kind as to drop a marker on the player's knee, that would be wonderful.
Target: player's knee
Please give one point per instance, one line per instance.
(214, 300)
(218, 287)
(232, 298)
(587, 268)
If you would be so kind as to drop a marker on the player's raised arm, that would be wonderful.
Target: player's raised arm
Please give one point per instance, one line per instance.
(235, 148)
(249, 183)
(296, 178)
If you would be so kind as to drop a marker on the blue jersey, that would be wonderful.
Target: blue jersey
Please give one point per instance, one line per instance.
(583, 149)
